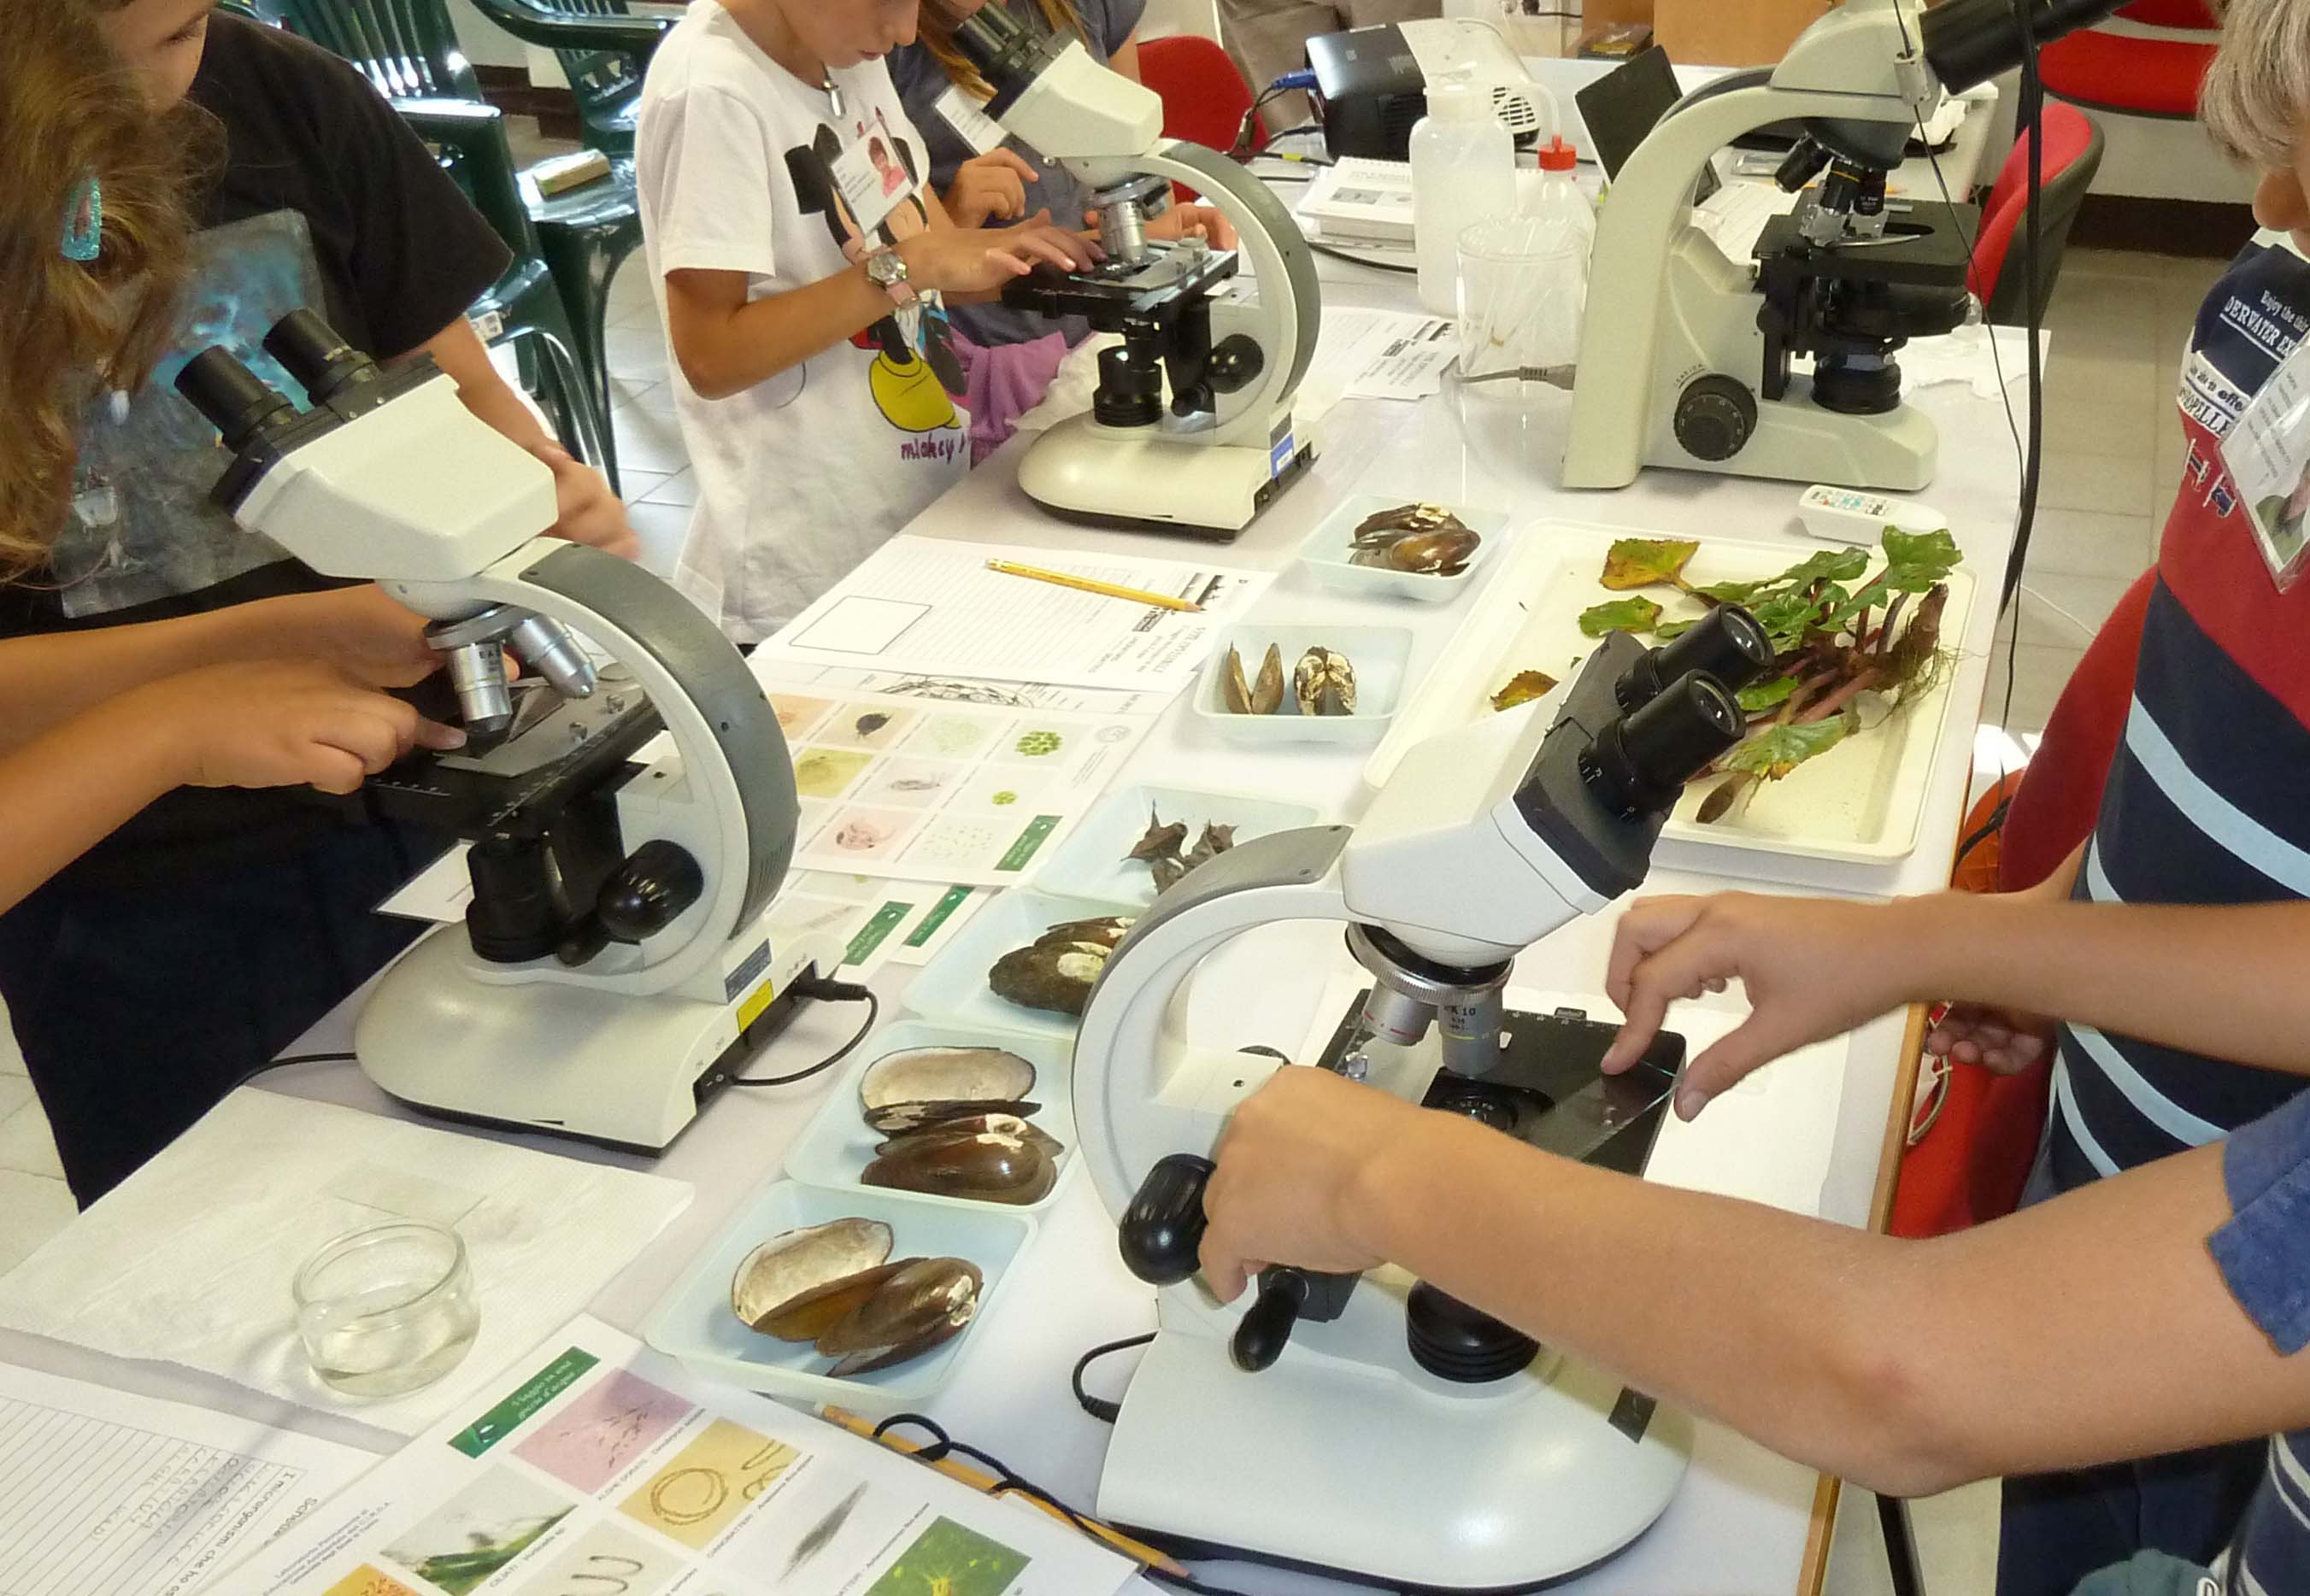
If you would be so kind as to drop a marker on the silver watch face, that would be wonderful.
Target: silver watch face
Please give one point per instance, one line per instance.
(885, 267)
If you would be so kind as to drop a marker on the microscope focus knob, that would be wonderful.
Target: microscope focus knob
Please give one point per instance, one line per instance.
(1715, 416)
(1236, 363)
(648, 893)
(1266, 1325)
(1162, 1231)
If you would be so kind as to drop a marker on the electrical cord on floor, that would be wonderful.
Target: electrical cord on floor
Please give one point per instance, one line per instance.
(1007, 1481)
(1099, 1408)
(825, 990)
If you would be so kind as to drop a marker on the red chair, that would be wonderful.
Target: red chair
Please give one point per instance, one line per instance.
(1971, 1166)
(2136, 74)
(2073, 149)
(1204, 96)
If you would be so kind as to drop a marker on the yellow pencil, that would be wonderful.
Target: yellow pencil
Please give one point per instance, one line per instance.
(1161, 600)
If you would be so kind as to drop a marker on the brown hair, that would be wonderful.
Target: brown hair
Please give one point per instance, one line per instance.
(65, 114)
(939, 19)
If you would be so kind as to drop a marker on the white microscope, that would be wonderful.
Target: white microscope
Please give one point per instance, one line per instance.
(1692, 361)
(1227, 441)
(1373, 1426)
(615, 967)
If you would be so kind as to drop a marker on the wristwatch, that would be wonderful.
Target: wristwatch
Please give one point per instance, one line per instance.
(886, 269)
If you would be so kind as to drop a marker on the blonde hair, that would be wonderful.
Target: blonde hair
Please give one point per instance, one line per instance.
(66, 115)
(2256, 91)
(939, 19)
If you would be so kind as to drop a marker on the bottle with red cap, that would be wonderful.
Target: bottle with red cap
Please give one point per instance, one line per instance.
(1559, 197)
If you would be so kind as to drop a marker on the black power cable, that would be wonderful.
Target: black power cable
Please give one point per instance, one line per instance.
(826, 990)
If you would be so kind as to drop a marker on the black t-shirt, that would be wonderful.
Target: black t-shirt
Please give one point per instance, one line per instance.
(325, 199)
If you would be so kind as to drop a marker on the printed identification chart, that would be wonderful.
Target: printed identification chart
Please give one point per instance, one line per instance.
(975, 794)
(106, 1494)
(599, 1467)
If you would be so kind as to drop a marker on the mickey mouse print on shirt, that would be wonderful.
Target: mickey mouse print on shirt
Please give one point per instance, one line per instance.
(915, 377)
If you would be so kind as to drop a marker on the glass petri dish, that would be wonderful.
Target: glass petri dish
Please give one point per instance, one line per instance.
(386, 1309)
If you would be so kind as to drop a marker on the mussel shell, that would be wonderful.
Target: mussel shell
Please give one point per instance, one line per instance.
(808, 1317)
(1107, 931)
(978, 1124)
(1443, 552)
(923, 1302)
(895, 1119)
(945, 1075)
(1055, 978)
(1325, 683)
(1263, 697)
(799, 1262)
(988, 1165)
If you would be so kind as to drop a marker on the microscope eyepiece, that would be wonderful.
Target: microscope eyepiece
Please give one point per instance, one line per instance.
(316, 356)
(230, 397)
(1971, 41)
(1009, 55)
(1642, 760)
(1728, 645)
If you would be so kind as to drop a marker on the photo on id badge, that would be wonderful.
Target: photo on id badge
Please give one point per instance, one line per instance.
(915, 377)
(2266, 454)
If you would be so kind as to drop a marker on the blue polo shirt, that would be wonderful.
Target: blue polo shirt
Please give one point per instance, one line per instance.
(2264, 1254)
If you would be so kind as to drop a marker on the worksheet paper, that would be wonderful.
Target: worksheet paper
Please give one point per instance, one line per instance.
(189, 1261)
(106, 1494)
(1381, 354)
(928, 606)
(976, 794)
(599, 1467)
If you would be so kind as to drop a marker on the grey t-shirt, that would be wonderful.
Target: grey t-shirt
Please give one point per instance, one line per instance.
(921, 79)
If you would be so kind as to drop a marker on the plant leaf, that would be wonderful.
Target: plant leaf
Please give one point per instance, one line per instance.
(1915, 561)
(1522, 688)
(1764, 695)
(1621, 615)
(1645, 562)
(1776, 750)
(1669, 631)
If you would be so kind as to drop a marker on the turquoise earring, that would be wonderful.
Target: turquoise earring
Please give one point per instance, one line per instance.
(83, 238)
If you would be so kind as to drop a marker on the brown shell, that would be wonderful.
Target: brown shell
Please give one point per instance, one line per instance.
(796, 1262)
(895, 1119)
(923, 1302)
(1325, 683)
(945, 1074)
(988, 1165)
(1264, 696)
(999, 1123)
(1055, 977)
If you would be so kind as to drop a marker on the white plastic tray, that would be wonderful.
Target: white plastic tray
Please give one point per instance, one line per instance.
(1861, 800)
(836, 1146)
(693, 1321)
(1381, 656)
(952, 988)
(1328, 553)
(1091, 862)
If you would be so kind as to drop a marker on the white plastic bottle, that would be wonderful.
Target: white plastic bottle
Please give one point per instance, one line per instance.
(1560, 199)
(1463, 172)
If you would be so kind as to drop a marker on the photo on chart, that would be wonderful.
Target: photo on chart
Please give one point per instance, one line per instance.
(606, 1561)
(366, 1580)
(951, 1559)
(593, 1440)
(824, 1528)
(706, 1484)
(476, 1533)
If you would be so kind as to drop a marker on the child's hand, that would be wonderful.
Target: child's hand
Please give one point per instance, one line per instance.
(965, 261)
(1813, 967)
(281, 724)
(361, 631)
(1285, 1192)
(990, 188)
(1192, 221)
(2003, 1041)
(586, 511)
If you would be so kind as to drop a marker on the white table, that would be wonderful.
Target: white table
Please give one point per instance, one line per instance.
(1745, 1521)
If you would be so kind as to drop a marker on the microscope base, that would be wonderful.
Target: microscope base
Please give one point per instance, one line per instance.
(1137, 477)
(1499, 1488)
(571, 1061)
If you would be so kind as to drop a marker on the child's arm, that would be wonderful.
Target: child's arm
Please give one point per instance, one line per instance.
(726, 343)
(244, 725)
(2223, 980)
(2089, 1328)
(587, 512)
(47, 677)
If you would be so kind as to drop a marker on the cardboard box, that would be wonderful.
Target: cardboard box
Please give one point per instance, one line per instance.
(1733, 32)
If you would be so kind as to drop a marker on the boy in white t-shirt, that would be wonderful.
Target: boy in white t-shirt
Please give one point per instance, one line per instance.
(802, 259)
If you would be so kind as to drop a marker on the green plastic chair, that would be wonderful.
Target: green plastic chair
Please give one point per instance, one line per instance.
(407, 48)
(603, 50)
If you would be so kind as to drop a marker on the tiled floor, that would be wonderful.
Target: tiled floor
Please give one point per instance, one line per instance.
(2113, 458)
